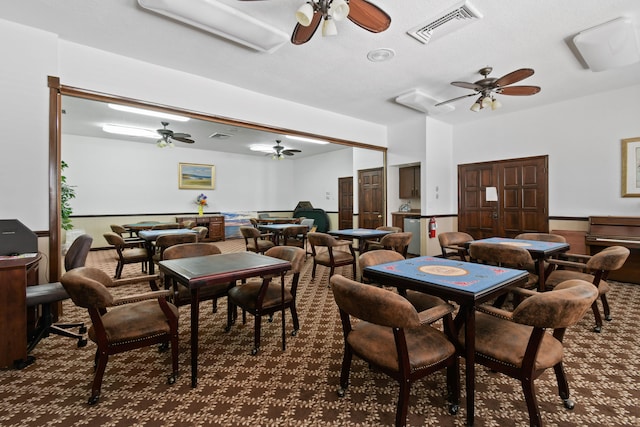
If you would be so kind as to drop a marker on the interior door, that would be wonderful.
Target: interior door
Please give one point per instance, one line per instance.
(522, 205)
(371, 198)
(345, 203)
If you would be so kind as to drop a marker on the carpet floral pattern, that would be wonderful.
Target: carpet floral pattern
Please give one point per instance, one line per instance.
(297, 387)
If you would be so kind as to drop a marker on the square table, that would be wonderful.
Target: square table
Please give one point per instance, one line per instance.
(276, 229)
(468, 284)
(199, 272)
(539, 251)
(360, 234)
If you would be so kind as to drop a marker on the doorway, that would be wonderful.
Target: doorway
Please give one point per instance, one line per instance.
(371, 198)
(345, 203)
(522, 204)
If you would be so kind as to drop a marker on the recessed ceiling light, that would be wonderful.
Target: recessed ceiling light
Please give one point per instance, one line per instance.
(381, 55)
(151, 113)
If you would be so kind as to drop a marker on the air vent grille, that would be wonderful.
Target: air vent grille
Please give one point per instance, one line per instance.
(448, 22)
(219, 135)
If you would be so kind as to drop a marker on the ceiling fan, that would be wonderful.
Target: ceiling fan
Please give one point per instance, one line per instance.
(168, 136)
(280, 151)
(488, 86)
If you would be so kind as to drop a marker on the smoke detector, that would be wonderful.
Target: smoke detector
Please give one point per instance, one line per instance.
(446, 22)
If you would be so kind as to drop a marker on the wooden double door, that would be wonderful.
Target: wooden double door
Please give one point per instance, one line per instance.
(371, 202)
(522, 205)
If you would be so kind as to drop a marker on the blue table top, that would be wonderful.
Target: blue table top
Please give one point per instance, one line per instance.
(359, 232)
(530, 245)
(463, 277)
(277, 227)
(153, 234)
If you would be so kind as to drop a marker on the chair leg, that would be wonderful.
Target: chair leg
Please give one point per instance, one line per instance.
(596, 315)
(119, 268)
(403, 403)
(344, 373)
(453, 385)
(102, 359)
(174, 358)
(294, 317)
(313, 270)
(258, 325)
(563, 386)
(532, 404)
(605, 307)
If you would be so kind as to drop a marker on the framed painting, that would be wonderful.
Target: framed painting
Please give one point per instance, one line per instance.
(631, 167)
(196, 176)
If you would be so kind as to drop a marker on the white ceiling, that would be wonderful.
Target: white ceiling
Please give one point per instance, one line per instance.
(333, 73)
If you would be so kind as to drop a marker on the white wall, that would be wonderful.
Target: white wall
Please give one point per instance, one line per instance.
(583, 140)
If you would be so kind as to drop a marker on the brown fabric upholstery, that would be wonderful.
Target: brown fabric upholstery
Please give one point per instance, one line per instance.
(594, 269)
(390, 337)
(165, 241)
(331, 252)
(202, 232)
(122, 324)
(260, 300)
(295, 236)
(505, 256)
(255, 241)
(374, 244)
(542, 237)
(452, 244)
(429, 307)
(126, 253)
(517, 345)
(398, 242)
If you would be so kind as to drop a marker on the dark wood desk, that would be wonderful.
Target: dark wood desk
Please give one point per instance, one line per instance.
(468, 284)
(360, 234)
(539, 251)
(16, 274)
(199, 272)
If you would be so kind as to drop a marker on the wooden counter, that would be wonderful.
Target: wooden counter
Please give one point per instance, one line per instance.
(397, 218)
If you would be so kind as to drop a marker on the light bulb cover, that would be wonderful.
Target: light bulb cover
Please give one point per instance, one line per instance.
(329, 27)
(304, 14)
(495, 104)
(486, 102)
(339, 10)
(475, 107)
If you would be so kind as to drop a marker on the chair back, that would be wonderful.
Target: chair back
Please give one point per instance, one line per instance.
(560, 308)
(398, 241)
(376, 257)
(188, 224)
(87, 287)
(114, 240)
(609, 259)
(389, 228)
(321, 239)
(295, 235)
(202, 232)
(295, 256)
(372, 304)
(166, 240)
(542, 237)
(167, 226)
(501, 255)
(254, 222)
(118, 229)
(249, 232)
(188, 250)
(76, 256)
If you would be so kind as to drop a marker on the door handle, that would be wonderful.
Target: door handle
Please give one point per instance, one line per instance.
(494, 215)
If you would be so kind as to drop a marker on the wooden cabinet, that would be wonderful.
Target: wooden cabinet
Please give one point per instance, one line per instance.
(410, 182)
(397, 220)
(214, 223)
(15, 275)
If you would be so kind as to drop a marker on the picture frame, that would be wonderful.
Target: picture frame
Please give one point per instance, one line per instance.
(196, 176)
(631, 167)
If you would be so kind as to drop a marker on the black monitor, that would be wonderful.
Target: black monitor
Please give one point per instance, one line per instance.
(16, 238)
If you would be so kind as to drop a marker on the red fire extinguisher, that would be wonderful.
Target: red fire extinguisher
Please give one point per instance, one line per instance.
(432, 227)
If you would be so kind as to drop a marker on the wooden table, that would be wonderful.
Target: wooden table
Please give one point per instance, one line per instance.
(360, 234)
(276, 229)
(468, 284)
(199, 272)
(539, 251)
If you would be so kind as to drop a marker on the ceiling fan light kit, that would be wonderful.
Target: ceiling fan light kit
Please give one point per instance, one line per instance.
(609, 45)
(222, 20)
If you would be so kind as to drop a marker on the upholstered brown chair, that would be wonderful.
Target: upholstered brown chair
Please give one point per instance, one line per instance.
(542, 237)
(131, 240)
(255, 241)
(126, 254)
(504, 256)
(594, 269)
(516, 344)
(261, 300)
(391, 338)
(202, 232)
(165, 241)
(181, 294)
(188, 223)
(398, 242)
(452, 244)
(374, 244)
(122, 324)
(296, 235)
(48, 294)
(331, 252)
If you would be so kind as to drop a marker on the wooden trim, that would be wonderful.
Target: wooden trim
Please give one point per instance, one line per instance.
(55, 114)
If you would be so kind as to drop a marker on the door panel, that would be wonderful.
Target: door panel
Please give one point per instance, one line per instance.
(371, 198)
(345, 203)
(522, 204)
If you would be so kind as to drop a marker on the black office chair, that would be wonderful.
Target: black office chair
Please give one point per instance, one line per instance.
(48, 294)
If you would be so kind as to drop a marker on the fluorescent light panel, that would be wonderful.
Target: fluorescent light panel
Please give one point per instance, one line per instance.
(302, 138)
(420, 101)
(263, 148)
(150, 113)
(609, 45)
(220, 19)
(130, 131)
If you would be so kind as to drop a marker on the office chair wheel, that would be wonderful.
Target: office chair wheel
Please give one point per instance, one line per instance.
(93, 400)
(453, 408)
(83, 330)
(82, 342)
(171, 379)
(568, 403)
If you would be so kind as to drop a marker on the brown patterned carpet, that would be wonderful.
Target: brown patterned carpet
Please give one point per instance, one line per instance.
(297, 387)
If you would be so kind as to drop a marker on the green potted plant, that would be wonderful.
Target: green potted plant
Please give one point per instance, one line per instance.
(66, 194)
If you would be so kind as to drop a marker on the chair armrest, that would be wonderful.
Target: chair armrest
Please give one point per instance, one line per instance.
(455, 248)
(340, 242)
(434, 313)
(523, 292)
(494, 311)
(142, 297)
(571, 264)
(137, 279)
(574, 257)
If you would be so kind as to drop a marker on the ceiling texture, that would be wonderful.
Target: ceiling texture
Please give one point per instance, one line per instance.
(333, 73)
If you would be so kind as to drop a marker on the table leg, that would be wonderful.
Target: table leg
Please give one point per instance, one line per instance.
(195, 312)
(541, 273)
(151, 268)
(284, 333)
(470, 351)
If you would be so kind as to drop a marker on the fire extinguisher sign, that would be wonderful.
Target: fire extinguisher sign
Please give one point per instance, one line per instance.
(433, 225)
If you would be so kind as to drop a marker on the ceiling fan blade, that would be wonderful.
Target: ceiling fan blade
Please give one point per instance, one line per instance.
(181, 135)
(467, 85)
(455, 99)
(368, 16)
(518, 90)
(183, 139)
(514, 77)
(302, 34)
(290, 152)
